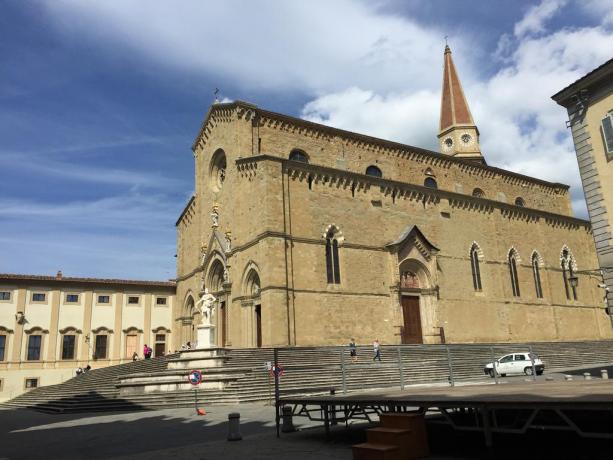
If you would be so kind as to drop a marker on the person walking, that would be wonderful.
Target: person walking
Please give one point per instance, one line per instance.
(353, 352)
(135, 357)
(376, 348)
(146, 352)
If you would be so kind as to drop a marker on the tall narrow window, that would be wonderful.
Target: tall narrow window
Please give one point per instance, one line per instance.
(2, 347)
(332, 260)
(607, 132)
(68, 343)
(567, 272)
(34, 344)
(537, 276)
(474, 265)
(160, 344)
(100, 348)
(513, 273)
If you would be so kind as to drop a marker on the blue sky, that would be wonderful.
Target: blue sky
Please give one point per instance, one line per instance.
(100, 101)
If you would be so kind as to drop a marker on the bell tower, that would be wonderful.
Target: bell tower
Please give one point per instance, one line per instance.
(458, 135)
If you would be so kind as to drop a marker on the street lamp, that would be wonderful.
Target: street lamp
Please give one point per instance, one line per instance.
(20, 317)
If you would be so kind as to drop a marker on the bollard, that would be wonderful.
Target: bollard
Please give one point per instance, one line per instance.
(568, 377)
(587, 376)
(604, 374)
(234, 432)
(288, 423)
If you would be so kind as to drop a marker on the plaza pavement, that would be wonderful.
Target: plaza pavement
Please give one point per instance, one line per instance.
(181, 434)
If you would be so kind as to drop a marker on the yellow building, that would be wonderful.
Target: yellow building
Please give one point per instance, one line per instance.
(50, 325)
(589, 102)
(311, 235)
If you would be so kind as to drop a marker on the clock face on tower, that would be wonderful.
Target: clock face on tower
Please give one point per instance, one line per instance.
(466, 139)
(447, 144)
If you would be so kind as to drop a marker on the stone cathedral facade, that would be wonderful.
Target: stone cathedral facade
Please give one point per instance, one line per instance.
(311, 235)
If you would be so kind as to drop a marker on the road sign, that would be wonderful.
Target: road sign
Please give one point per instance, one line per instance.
(195, 377)
(276, 370)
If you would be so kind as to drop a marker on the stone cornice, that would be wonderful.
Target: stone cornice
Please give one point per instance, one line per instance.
(219, 113)
(222, 113)
(185, 210)
(341, 178)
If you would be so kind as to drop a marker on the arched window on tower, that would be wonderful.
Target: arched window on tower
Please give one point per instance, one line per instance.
(519, 201)
(567, 263)
(298, 155)
(430, 182)
(536, 272)
(512, 260)
(332, 262)
(475, 268)
(373, 171)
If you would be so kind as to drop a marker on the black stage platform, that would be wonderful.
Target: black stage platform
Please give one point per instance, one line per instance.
(584, 407)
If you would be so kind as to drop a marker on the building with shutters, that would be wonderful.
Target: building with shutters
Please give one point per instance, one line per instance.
(50, 325)
(589, 103)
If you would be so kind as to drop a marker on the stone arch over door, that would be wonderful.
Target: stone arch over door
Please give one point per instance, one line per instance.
(252, 305)
(189, 319)
(217, 282)
(414, 278)
(415, 283)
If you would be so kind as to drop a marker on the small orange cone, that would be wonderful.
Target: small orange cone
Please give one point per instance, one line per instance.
(200, 412)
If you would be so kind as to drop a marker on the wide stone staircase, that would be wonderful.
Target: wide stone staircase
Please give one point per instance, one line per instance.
(307, 370)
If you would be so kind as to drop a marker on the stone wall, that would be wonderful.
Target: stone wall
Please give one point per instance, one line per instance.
(278, 212)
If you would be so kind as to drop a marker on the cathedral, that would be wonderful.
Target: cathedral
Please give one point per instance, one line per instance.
(311, 235)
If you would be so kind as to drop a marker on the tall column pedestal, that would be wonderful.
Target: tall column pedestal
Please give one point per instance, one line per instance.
(205, 336)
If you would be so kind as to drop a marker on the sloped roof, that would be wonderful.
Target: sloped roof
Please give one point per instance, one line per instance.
(70, 279)
(454, 108)
(408, 231)
(599, 73)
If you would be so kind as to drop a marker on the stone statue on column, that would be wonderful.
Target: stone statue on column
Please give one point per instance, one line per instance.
(206, 305)
(228, 247)
(215, 216)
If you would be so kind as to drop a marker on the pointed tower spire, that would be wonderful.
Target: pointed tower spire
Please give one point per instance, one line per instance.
(458, 135)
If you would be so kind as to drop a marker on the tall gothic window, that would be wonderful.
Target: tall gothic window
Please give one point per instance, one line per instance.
(513, 272)
(537, 276)
(567, 263)
(332, 264)
(474, 266)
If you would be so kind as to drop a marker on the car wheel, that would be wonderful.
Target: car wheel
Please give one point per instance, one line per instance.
(528, 370)
(491, 373)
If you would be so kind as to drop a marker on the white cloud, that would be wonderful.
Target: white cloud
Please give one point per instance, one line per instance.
(370, 71)
(522, 129)
(535, 18)
(406, 117)
(316, 46)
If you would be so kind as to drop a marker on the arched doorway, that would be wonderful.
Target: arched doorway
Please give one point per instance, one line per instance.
(189, 320)
(252, 289)
(413, 281)
(216, 278)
